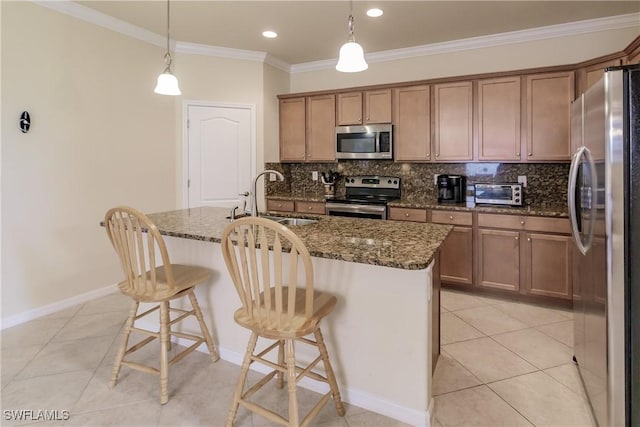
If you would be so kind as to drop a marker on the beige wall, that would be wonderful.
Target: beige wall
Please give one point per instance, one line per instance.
(539, 53)
(99, 137)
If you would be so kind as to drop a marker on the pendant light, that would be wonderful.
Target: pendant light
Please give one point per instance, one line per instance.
(167, 82)
(351, 58)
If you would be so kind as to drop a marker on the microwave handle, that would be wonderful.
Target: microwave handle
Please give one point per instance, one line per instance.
(378, 142)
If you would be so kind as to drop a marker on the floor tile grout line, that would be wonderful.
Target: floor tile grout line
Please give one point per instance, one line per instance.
(510, 405)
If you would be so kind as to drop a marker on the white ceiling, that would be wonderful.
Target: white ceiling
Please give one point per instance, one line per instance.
(315, 30)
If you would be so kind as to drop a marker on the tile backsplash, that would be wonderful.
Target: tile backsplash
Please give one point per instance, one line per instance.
(546, 182)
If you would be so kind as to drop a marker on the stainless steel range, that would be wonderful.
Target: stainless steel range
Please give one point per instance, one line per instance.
(365, 197)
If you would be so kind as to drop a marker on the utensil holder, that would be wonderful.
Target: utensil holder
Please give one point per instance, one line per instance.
(329, 191)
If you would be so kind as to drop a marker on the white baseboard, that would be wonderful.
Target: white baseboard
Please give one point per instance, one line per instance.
(56, 306)
(349, 395)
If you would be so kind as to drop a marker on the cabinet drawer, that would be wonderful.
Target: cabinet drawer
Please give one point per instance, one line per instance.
(310, 207)
(523, 222)
(407, 214)
(280, 205)
(451, 217)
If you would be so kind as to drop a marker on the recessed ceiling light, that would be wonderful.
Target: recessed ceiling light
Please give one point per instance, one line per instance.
(270, 34)
(375, 12)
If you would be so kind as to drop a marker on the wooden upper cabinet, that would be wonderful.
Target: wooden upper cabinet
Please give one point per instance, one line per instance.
(376, 107)
(499, 119)
(412, 124)
(321, 123)
(350, 108)
(453, 107)
(548, 116)
(587, 76)
(292, 130)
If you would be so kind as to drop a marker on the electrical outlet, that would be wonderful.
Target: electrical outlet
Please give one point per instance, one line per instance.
(272, 177)
(522, 179)
(314, 175)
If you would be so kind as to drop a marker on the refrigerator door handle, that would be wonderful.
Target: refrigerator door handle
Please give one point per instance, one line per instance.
(571, 194)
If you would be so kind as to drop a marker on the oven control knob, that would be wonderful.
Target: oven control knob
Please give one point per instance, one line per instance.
(395, 181)
(517, 200)
(389, 182)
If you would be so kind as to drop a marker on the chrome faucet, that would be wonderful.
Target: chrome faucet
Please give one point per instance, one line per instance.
(254, 201)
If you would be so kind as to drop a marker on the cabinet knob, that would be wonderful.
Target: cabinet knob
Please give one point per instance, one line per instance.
(530, 154)
(450, 216)
(279, 205)
(528, 239)
(407, 215)
(517, 238)
(309, 207)
(522, 222)
(437, 155)
(517, 154)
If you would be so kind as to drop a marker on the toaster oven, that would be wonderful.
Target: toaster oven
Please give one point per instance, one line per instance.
(499, 194)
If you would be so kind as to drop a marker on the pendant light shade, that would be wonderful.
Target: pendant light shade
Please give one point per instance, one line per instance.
(351, 58)
(167, 83)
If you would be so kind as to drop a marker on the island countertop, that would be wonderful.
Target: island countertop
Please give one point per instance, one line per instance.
(397, 244)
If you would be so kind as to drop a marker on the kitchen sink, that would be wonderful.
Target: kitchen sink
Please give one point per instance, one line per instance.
(290, 221)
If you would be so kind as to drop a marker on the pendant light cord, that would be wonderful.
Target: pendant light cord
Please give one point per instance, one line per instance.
(167, 56)
(351, 36)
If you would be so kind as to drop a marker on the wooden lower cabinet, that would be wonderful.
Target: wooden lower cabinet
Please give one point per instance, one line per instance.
(548, 259)
(533, 259)
(310, 207)
(456, 257)
(499, 259)
(280, 205)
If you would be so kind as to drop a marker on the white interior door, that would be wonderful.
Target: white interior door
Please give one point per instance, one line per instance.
(220, 155)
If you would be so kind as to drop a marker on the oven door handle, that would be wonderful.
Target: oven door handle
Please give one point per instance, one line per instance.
(354, 208)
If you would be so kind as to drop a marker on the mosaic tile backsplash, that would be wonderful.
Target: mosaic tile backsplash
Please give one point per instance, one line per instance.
(546, 182)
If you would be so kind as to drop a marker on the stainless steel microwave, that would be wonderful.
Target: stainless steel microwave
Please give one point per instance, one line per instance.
(499, 194)
(364, 142)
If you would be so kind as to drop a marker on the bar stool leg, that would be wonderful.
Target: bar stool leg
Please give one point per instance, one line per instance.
(237, 395)
(125, 342)
(331, 377)
(164, 344)
(290, 355)
(280, 374)
(203, 326)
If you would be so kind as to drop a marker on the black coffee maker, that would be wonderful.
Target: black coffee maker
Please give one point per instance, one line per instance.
(451, 188)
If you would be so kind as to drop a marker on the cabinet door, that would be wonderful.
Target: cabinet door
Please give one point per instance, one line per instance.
(456, 257)
(548, 116)
(453, 121)
(499, 119)
(350, 108)
(412, 124)
(589, 75)
(499, 259)
(548, 265)
(377, 106)
(292, 130)
(321, 113)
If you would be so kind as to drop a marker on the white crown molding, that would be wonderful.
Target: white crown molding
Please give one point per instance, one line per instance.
(103, 20)
(541, 33)
(92, 16)
(218, 51)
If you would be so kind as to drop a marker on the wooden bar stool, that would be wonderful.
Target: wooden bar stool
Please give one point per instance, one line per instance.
(273, 307)
(148, 283)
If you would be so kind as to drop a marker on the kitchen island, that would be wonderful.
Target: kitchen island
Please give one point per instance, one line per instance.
(380, 334)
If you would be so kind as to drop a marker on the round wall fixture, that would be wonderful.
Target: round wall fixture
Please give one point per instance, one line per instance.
(25, 121)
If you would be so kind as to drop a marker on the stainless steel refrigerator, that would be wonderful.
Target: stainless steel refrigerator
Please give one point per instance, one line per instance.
(604, 208)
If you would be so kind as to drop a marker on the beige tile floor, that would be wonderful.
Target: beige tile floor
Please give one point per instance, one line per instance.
(505, 363)
(502, 363)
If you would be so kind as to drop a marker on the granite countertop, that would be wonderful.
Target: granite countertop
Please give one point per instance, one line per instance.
(558, 211)
(405, 245)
